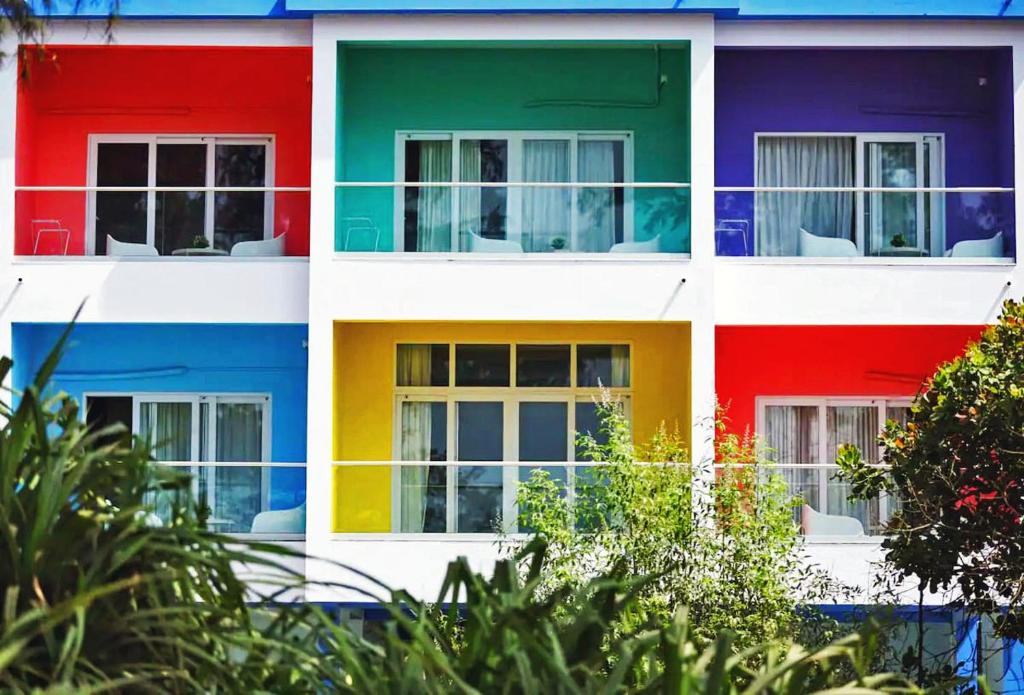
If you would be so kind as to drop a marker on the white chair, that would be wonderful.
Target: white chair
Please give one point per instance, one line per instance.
(652, 245)
(51, 227)
(360, 226)
(124, 248)
(479, 244)
(978, 248)
(817, 524)
(264, 247)
(815, 246)
(280, 521)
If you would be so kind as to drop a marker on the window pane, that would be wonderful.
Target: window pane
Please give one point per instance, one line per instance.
(239, 432)
(899, 413)
(239, 216)
(602, 365)
(169, 428)
(428, 211)
(600, 210)
(542, 365)
(857, 425)
(424, 494)
(588, 423)
(791, 433)
(546, 211)
(892, 217)
(482, 365)
(180, 216)
(422, 365)
(479, 437)
(543, 431)
(121, 215)
(482, 211)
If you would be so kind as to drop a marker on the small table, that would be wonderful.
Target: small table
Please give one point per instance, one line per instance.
(902, 251)
(199, 252)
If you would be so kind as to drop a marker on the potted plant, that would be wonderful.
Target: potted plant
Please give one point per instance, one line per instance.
(558, 243)
(199, 241)
(898, 241)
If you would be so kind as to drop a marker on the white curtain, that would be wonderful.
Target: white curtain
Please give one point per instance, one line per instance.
(239, 490)
(414, 365)
(169, 428)
(546, 211)
(596, 226)
(620, 365)
(415, 445)
(434, 204)
(469, 198)
(803, 161)
(857, 425)
(791, 432)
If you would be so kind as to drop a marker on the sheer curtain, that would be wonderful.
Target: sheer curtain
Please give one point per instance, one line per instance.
(469, 198)
(239, 490)
(434, 204)
(596, 163)
(857, 425)
(169, 428)
(803, 161)
(415, 445)
(546, 211)
(791, 432)
(414, 365)
(620, 365)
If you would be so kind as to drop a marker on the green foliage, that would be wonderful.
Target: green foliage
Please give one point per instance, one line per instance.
(96, 592)
(958, 469)
(732, 556)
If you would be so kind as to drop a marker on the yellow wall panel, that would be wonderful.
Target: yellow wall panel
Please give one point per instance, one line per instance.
(364, 378)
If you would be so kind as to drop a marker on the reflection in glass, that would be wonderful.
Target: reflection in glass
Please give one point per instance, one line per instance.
(482, 211)
(422, 365)
(239, 216)
(542, 365)
(546, 211)
(482, 365)
(180, 216)
(602, 365)
(600, 209)
(428, 210)
(479, 437)
(122, 215)
(424, 437)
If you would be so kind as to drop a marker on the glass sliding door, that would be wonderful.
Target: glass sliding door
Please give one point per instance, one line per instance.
(894, 221)
(242, 215)
(120, 214)
(479, 436)
(546, 212)
(423, 498)
(428, 209)
(483, 211)
(235, 494)
(180, 216)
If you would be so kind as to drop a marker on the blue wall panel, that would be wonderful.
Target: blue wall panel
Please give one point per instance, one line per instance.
(166, 358)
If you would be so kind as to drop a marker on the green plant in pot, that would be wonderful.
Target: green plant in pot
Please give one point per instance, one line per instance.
(898, 241)
(200, 242)
(558, 243)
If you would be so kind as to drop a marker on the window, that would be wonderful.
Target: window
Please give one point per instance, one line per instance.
(507, 402)
(211, 429)
(804, 436)
(171, 220)
(879, 223)
(534, 219)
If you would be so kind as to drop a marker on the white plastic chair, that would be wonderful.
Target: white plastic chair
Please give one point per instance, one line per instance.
(54, 227)
(479, 244)
(362, 226)
(978, 248)
(815, 523)
(124, 248)
(263, 247)
(815, 246)
(280, 521)
(652, 245)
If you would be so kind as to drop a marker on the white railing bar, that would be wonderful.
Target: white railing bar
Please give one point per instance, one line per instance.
(767, 465)
(231, 464)
(861, 189)
(163, 189)
(507, 184)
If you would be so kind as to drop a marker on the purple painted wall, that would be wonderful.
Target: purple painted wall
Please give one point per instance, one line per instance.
(820, 90)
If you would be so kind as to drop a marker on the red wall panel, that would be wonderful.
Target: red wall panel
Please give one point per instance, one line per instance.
(77, 91)
(752, 361)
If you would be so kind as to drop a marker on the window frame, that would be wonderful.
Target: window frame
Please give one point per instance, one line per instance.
(514, 139)
(511, 397)
(152, 140)
(937, 170)
(822, 403)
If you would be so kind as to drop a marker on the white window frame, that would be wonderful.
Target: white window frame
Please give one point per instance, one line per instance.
(211, 141)
(195, 399)
(511, 397)
(937, 174)
(514, 138)
(822, 403)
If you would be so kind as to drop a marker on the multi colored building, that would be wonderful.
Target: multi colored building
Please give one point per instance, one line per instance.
(363, 264)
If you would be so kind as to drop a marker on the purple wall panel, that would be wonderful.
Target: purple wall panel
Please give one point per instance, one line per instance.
(921, 91)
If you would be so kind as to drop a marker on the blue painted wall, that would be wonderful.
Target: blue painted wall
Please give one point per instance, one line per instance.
(192, 358)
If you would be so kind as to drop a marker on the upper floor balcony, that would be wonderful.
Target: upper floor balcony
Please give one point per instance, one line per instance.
(532, 148)
(170, 152)
(891, 155)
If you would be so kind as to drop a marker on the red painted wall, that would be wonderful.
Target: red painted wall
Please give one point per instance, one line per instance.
(752, 361)
(77, 91)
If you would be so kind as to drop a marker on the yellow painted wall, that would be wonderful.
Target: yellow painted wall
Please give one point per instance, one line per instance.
(364, 380)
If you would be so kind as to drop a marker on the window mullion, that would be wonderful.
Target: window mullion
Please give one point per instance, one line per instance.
(209, 196)
(151, 194)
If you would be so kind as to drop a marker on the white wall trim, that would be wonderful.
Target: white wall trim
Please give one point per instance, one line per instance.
(916, 33)
(184, 32)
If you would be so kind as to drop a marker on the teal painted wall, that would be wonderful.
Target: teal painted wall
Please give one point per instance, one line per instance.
(384, 89)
